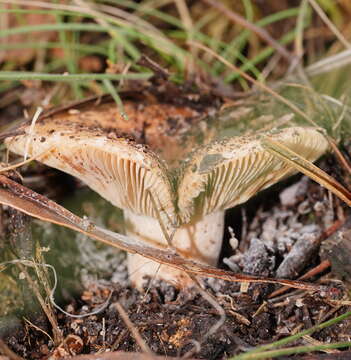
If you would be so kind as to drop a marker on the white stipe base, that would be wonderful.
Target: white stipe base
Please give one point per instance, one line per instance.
(199, 240)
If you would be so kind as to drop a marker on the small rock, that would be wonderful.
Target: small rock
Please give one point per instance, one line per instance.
(258, 259)
(299, 255)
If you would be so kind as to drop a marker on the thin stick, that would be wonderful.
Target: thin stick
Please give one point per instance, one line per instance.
(340, 156)
(8, 352)
(262, 33)
(331, 26)
(307, 168)
(324, 265)
(214, 328)
(31, 130)
(140, 341)
(156, 68)
(149, 287)
(58, 337)
(168, 237)
(38, 328)
(21, 163)
(257, 83)
(212, 300)
(34, 204)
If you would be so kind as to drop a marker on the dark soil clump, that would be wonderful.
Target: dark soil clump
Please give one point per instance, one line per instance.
(175, 325)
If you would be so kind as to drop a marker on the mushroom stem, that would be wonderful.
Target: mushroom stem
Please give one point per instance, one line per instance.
(199, 240)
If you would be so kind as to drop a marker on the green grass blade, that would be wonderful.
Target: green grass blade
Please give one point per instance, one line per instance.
(111, 89)
(52, 27)
(82, 48)
(292, 351)
(293, 338)
(24, 75)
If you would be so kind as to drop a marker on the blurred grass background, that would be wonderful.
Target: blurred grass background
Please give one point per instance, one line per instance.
(52, 52)
(104, 39)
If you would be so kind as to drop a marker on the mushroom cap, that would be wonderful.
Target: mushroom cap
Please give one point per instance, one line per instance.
(135, 161)
(126, 158)
(228, 172)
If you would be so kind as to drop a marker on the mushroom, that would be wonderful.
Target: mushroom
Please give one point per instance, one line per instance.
(168, 166)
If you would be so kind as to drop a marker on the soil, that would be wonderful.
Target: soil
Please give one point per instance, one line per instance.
(175, 323)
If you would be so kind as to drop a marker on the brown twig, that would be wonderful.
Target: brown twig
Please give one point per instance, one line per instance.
(34, 204)
(324, 265)
(333, 228)
(344, 163)
(140, 341)
(37, 328)
(329, 23)
(5, 350)
(212, 301)
(259, 85)
(159, 71)
(262, 33)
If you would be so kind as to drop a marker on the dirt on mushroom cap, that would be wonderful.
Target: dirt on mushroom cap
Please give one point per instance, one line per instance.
(181, 148)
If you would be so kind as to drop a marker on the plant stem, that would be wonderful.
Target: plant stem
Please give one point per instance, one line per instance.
(24, 75)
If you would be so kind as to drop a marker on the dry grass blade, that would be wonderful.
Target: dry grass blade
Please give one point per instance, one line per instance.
(329, 63)
(307, 168)
(48, 310)
(344, 163)
(329, 23)
(324, 265)
(23, 199)
(262, 33)
(215, 304)
(260, 85)
(25, 162)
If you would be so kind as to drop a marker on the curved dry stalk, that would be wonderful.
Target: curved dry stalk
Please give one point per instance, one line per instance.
(260, 85)
(48, 310)
(259, 31)
(27, 161)
(51, 291)
(346, 165)
(329, 63)
(9, 354)
(307, 168)
(331, 26)
(140, 341)
(212, 300)
(23, 199)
